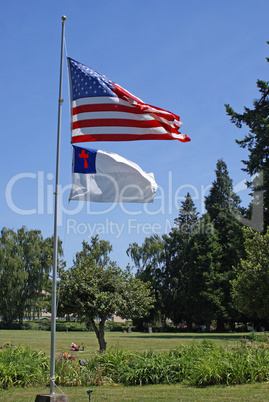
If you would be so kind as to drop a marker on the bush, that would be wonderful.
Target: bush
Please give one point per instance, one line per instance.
(21, 366)
(116, 326)
(61, 325)
(198, 364)
(71, 326)
(258, 336)
(41, 325)
(13, 325)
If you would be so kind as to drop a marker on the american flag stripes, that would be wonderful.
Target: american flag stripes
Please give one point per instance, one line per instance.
(104, 111)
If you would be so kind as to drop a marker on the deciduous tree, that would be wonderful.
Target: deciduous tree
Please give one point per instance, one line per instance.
(25, 263)
(148, 260)
(95, 287)
(250, 287)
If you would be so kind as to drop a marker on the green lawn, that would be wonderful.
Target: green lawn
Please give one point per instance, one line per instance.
(249, 392)
(134, 341)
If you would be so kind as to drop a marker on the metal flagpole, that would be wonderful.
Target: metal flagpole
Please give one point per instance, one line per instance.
(55, 240)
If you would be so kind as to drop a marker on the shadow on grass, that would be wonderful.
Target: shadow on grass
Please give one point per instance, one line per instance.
(195, 335)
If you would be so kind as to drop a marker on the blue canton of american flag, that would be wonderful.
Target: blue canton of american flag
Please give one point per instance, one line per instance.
(104, 111)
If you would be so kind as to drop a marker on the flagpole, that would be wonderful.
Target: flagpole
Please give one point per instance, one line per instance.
(55, 239)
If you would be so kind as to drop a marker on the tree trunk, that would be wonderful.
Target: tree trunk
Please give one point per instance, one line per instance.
(100, 333)
(189, 325)
(232, 326)
(8, 323)
(220, 325)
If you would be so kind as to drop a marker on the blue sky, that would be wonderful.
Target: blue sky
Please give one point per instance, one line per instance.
(187, 57)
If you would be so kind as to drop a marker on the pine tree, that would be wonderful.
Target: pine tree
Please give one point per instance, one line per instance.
(257, 143)
(223, 206)
(203, 296)
(177, 264)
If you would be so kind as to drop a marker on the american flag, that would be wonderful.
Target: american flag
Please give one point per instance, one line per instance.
(104, 111)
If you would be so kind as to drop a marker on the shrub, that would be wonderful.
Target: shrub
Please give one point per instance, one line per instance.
(71, 326)
(259, 337)
(199, 364)
(21, 366)
(117, 326)
(231, 366)
(68, 372)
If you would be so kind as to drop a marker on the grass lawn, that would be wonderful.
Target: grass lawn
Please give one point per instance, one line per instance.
(249, 392)
(134, 341)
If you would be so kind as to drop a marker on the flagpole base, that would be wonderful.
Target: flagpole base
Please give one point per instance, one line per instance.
(51, 398)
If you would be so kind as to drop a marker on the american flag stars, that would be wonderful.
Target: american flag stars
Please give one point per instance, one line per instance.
(85, 85)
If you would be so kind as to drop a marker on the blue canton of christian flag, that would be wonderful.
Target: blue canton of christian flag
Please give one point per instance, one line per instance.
(101, 176)
(84, 160)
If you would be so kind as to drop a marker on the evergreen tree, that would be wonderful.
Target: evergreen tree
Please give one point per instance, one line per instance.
(257, 144)
(203, 294)
(177, 263)
(165, 263)
(223, 206)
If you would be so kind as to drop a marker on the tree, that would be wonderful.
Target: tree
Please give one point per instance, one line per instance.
(95, 287)
(177, 263)
(165, 263)
(25, 263)
(148, 259)
(250, 287)
(37, 255)
(204, 254)
(256, 142)
(12, 277)
(223, 207)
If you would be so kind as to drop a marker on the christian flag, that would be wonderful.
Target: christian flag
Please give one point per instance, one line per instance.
(103, 111)
(107, 177)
